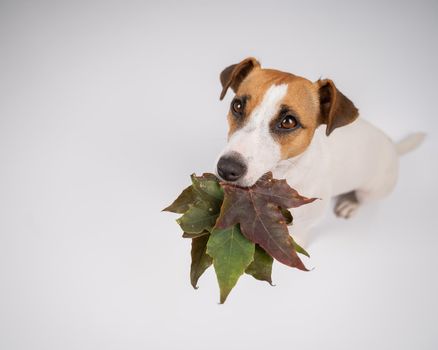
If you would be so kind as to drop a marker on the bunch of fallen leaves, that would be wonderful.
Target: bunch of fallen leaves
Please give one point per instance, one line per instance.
(238, 229)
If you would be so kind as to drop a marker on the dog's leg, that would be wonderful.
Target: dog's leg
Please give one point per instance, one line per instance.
(346, 205)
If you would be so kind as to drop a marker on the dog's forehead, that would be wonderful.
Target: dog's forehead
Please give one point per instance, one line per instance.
(301, 94)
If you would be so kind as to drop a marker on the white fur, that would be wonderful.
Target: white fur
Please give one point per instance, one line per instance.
(357, 157)
(410, 142)
(254, 141)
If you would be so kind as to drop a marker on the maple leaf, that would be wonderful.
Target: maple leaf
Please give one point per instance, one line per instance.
(232, 253)
(287, 216)
(205, 188)
(195, 235)
(238, 230)
(200, 260)
(182, 203)
(261, 266)
(200, 203)
(201, 216)
(208, 189)
(258, 211)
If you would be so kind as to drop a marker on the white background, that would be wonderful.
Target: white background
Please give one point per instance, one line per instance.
(107, 107)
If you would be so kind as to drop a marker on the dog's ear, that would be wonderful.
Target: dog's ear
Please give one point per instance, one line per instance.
(233, 75)
(335, 108)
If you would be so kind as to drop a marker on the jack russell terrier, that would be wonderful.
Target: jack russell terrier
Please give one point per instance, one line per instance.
(307, 133)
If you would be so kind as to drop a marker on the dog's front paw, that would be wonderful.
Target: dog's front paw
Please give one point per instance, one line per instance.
(346, 205)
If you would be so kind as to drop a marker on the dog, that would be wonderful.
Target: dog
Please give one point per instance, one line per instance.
(309, 134)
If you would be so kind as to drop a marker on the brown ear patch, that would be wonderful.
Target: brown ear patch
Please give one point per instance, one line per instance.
(336, 109)
(233, 75)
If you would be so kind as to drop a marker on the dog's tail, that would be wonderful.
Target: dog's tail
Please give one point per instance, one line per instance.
(410, 142)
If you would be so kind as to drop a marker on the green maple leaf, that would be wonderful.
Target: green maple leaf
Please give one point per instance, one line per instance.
(258, 211)
(205, 189)
(201, 261)
(232, 253)
(208, 189)
(201, 216)
(300, 249)
(261, 267)
(287, 216)
(200, 203)
(182, 203)
(195, 235)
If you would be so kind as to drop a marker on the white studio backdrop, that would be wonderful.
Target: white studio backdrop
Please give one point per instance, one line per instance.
(106, 108)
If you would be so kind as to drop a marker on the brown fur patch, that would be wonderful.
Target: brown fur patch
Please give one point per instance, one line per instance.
(255, 86)
(336, 109)
(233, 75)
(302, 97)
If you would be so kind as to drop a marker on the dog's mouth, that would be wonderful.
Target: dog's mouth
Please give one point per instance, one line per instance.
(244, 182)
(240, 183)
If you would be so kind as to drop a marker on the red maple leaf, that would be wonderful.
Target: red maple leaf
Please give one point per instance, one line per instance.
(258, 211)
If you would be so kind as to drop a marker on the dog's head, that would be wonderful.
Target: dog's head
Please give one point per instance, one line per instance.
(273, 117)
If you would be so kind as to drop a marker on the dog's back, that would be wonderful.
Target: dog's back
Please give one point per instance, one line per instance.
(364, 160)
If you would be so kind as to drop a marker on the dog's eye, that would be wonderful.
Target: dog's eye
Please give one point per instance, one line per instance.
(289, 122)
(237, 107)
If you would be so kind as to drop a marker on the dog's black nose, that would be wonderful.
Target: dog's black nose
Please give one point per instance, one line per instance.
(231, 168)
